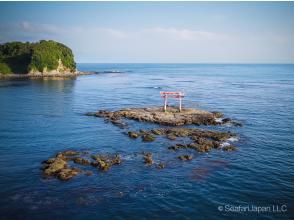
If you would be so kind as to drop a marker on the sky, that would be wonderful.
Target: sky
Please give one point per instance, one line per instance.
(157, 32)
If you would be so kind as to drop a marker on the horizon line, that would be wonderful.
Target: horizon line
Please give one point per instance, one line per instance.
(184, 63)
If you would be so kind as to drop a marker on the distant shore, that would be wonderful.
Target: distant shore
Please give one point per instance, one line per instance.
(41, 75)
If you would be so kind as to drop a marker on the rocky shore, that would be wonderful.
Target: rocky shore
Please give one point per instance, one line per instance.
(172, 117)
(200, 140)
(59, 167)
(41, 75)
(68, 164)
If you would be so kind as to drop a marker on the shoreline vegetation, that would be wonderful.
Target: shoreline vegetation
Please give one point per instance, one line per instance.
(38, 59)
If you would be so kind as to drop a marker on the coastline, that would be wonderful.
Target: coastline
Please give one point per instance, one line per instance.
(41, 75)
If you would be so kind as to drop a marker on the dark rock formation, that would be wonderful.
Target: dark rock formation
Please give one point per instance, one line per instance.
(185, 157)
(156, 115)
(58, 166)
(148, 158)
(229, 148)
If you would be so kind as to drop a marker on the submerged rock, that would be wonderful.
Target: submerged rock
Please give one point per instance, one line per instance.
(148, 137)
(229, 148)
(171, 137)
(104, 162)
(178, 146)
(82, 161)
(211, 139)
(185, 157)
(148, 158)
(133, 134)
(160, 165)
(68, 173)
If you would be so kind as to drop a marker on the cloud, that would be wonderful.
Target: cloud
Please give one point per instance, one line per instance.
(186, 34)
(156, 44)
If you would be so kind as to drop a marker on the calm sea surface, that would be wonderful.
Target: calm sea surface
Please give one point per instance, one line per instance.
(38, 118)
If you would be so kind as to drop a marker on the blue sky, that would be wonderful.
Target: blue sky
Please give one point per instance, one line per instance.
(161, 32)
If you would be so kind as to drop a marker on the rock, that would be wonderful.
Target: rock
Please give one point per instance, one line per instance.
(133, 134)
(160, 166)
(148, 138)
(193, 145)
(59, 168)
(54, 167)
(185, 157)
(171, 137)
(118, 123)
(50, 160)
(171, 117)
(226, 120)
(116, 160)
(81, 161)
(104, 162)
(177, 147)
(88, 173)
(229, 148)
(69, 153)
(237, 124)
(157, 131)
(148, 158)
(67, 173)
(218, 114)
(203, 148)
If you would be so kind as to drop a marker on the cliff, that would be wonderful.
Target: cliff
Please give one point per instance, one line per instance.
(40, 58)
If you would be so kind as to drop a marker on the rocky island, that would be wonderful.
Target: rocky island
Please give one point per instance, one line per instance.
(40, 59)
(171, 124)
(172, 116)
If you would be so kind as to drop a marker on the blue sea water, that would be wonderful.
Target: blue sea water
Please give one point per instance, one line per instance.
(40, 117)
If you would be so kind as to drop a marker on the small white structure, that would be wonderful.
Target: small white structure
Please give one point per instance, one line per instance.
(177, 95)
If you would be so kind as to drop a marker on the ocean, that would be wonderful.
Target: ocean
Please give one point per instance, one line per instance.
(40, 117)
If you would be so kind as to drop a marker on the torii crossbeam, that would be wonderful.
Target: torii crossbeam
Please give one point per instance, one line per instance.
(177, 95)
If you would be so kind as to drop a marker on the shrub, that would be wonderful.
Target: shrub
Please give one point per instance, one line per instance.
(4, 68)
(25, 57)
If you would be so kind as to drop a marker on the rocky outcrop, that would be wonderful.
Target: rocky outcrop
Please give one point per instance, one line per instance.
(202, 140)
(172, 117)
(59, 167)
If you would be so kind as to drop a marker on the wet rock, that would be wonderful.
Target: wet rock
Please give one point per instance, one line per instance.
(148, 138)
(229, 148)
(50, 160)
(158, 131)
(104, 162)
(178, 146)
(58, 167)
(119, 123)
(148, 158)
(67, 173)
(171, 117)
(203, 148)
(88, 173)
(82, 161)
(133, 134)
(160, 166)
(226, 120)
(54, 167)
(193, 145)
(217, 114)
(69, 153)
(185, 157)
(237, 124)
(171, 137)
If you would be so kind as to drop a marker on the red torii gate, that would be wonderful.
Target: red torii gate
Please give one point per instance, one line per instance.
(177, 95)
